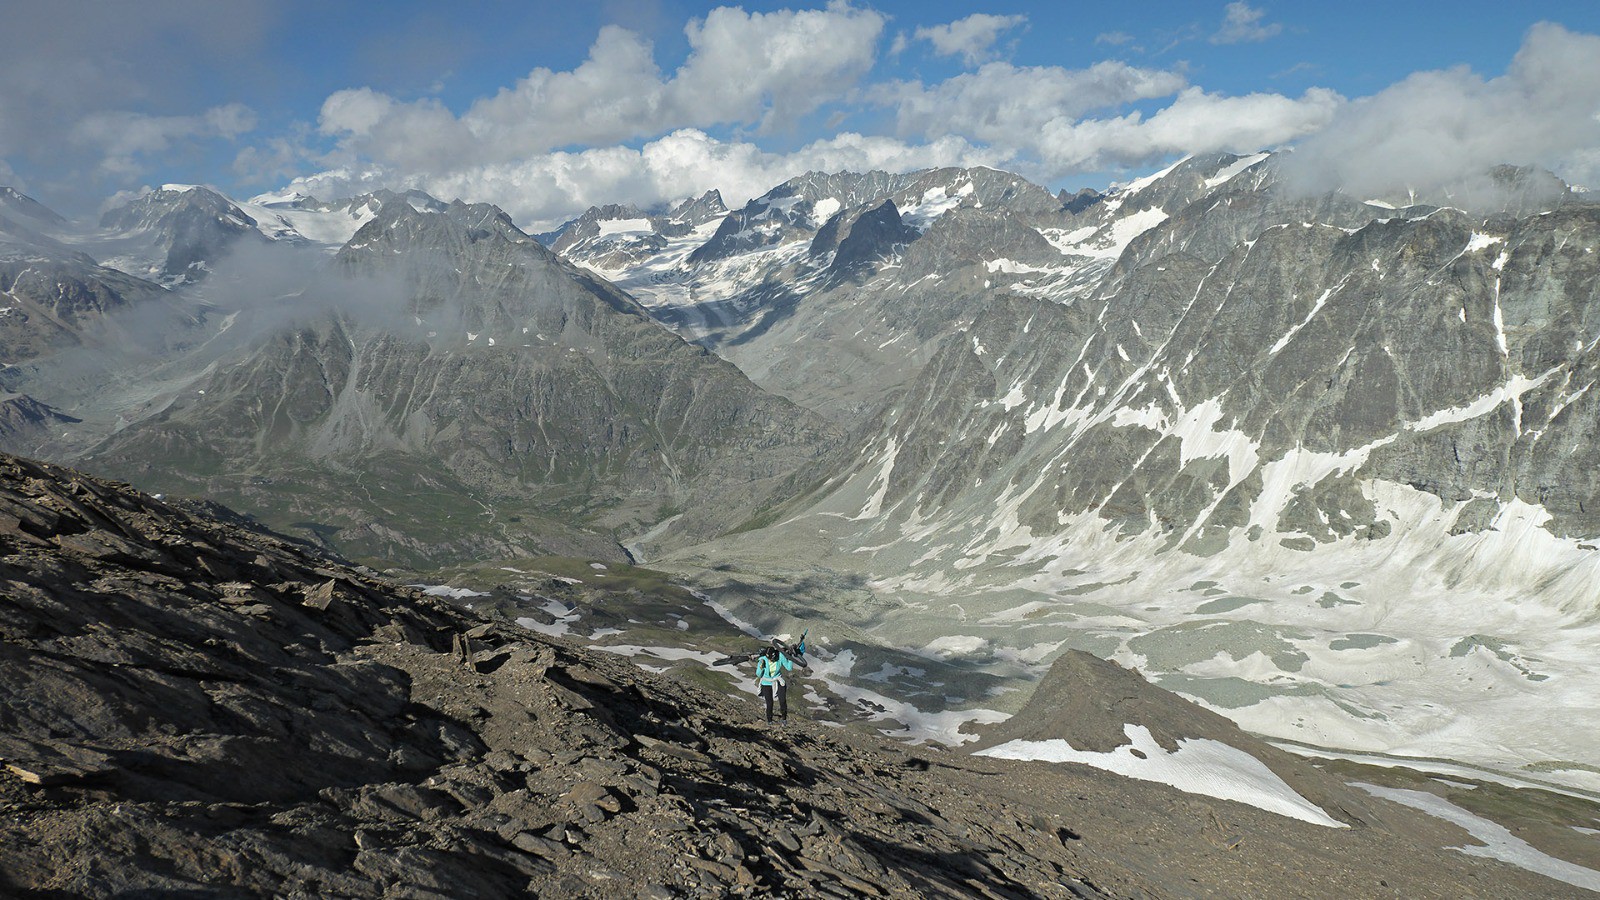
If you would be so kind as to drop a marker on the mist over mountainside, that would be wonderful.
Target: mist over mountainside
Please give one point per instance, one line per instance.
(435, 386)
(58, 302)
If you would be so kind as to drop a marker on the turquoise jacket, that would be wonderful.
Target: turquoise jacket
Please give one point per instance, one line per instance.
(770, 671)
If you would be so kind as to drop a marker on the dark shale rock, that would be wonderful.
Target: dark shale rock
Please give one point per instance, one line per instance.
(157, 742)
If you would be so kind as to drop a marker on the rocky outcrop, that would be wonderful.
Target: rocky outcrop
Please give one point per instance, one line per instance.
(188, 706)
(24, 419)
(694, 212)
(1090, 703)
(862, 238)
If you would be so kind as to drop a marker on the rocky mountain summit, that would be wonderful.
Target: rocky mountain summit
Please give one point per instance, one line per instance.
(195, 708)
(180, 229)
(618, 236)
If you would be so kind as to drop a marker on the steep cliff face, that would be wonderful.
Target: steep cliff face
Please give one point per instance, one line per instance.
(454, 370)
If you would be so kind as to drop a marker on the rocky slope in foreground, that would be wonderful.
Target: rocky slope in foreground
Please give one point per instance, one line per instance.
(191, 708)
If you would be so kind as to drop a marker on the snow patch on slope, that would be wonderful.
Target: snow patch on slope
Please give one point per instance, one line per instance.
(1226, 173)
(1199, 766)
(1498, 843)
(610, 228)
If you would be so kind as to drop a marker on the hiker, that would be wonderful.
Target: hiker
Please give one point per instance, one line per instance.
(771, 665)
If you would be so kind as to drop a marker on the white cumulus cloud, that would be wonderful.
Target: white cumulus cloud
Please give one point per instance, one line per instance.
(1008, 105)
(971, 38)
(744, 69)
(1196, 122)
(1043, 118)
(776, 66)
(1241, 24)
(558, 142)
(620, 128)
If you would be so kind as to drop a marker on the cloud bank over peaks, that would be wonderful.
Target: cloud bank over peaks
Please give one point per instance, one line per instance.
(621, 128)
(1434, 132)
(1195, 122)
(1005, 104)
(765, 70)
(1040, 115)
(542, 190)
(557, 142)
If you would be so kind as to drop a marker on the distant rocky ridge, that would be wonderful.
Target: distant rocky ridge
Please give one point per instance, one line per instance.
(190, 707)
(819, 290)
(188, 227)
(614, 236)
(456, 371)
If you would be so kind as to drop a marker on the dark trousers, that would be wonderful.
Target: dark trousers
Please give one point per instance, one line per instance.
(782, 690)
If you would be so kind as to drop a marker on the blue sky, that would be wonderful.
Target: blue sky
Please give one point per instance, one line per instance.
(545, 108)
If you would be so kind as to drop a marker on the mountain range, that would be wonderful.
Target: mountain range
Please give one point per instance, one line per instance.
(1325, 464)
(1308, 459)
